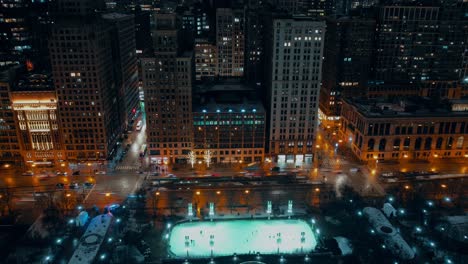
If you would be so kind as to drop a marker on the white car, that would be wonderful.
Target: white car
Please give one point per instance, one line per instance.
(28, 173)
(100, 172)
(171, 176)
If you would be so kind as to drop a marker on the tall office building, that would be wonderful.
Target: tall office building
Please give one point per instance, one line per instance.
(23, 25)
(230, 41)
(417, 43)
(206, 59)
(124, 64)
(349, 45)
(294, 82)
(9, 145)
(315, 8)
(255, 17)
(142, 30)
(167, 83)
(83, 72)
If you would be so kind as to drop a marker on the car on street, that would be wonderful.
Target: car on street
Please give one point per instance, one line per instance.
(171, 176)
(74, 185)
(100, 172)
(76, 173)
(28, 173)
(61, 173)
(59, 185)
(154, 174)
(88, 185)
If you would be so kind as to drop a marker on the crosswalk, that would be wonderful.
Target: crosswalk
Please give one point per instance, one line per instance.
(127, 167)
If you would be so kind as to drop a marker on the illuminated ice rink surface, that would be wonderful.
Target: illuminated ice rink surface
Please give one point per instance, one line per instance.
(241, 237)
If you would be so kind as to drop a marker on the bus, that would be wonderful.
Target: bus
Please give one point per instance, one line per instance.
(143, 150)
(138, 126)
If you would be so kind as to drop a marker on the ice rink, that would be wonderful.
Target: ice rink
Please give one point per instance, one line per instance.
(241, 237)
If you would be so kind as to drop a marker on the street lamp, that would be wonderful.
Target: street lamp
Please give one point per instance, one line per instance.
(155, 202)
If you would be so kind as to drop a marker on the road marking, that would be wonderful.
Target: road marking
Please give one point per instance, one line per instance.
(86, 198)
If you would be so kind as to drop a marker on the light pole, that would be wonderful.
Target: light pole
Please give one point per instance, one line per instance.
(247, 200)
(155, 202)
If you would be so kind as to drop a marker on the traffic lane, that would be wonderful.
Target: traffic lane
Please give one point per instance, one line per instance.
(113, 188)
(254, 196)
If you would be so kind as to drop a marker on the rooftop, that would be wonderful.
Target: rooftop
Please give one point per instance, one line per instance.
(227, 95)
(404, 107)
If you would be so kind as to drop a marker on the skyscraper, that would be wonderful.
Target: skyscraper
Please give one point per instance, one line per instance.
(417, 43)
(83, 73)
(9, 145)
(230, 41)
(124, 64)
(167, 82)
(294, 81)
(348, 54)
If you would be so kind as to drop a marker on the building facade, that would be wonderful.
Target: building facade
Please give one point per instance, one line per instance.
(230, 41)
(83, 73)
(233, 133)
(349, 44)
(167, 83)
(294, 83)
(413, 130)
(417, 43)
(9, 145)
(124, 65)
(206, 59)
(38, 127)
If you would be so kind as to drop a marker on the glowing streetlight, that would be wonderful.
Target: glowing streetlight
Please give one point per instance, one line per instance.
(407, 187)
(157, 193)
(246, 191)
(68, 194)
(198, 192)
(443, 186)
(108, 194)
(218, 192)
(317, 189)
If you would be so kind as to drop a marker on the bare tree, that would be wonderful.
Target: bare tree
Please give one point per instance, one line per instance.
(191, 158)
(207, 158)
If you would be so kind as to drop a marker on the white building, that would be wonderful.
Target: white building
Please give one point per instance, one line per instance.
(295, 80)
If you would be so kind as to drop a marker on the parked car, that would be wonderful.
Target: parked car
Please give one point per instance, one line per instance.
(74, 185)
(76, 173)
(28, 173)
(88, 185)
(100, 172)
(61, 173)
(59, 185)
